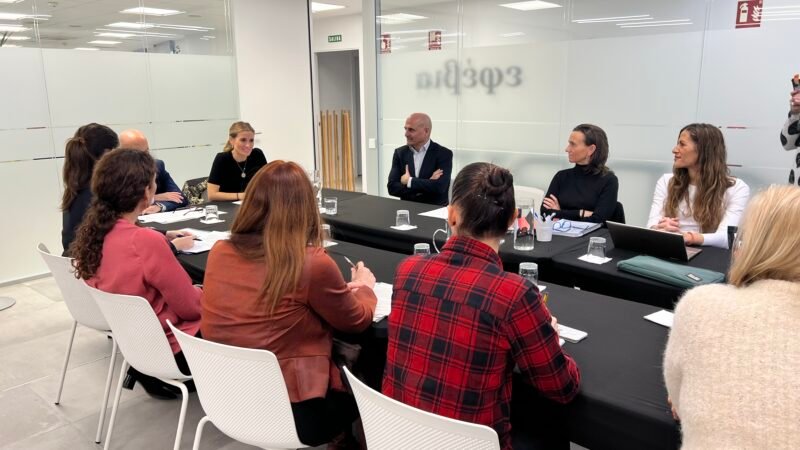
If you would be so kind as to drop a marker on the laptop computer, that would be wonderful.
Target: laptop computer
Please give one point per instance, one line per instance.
(661, 244)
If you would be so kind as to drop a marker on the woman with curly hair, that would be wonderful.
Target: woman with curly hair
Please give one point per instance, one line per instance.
(115, 255)
(699, 199)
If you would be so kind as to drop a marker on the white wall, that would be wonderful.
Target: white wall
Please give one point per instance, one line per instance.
(274, 76)
(50, 93)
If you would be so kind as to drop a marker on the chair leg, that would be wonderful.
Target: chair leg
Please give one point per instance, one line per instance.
(104, 405)
(66, 361)
(199, 433)
(115, 406)
(184, 404)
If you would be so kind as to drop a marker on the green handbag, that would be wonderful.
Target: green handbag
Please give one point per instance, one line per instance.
(671, 273)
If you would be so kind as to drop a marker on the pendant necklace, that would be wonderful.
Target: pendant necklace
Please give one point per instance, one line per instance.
(243, 169)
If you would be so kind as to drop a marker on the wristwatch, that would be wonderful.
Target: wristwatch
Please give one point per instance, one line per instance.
(161, 206)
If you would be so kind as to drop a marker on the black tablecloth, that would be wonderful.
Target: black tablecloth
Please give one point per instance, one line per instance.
(609, 280)
(622, 404)
(340, 194)
(368, 219)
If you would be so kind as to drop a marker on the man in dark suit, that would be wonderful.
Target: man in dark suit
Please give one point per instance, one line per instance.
(168, 194)
(421, 169)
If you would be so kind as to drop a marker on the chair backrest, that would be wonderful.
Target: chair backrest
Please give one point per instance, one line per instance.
(389, 424)
(195, 190)
(138, 333)
(619, 214)
(242, 391)
(77, 298)
(529, 193)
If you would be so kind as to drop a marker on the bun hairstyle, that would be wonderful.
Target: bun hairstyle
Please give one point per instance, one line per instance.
(83, 150)
(484, 195)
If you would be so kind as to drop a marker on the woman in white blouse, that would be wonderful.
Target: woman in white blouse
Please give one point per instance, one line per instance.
(699, 199)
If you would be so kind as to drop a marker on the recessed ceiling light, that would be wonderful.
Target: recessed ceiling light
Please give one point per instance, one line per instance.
(116, 35)
(101, 42)
(531, 5)
(17, 38)
(210, 37)
(623, 24)
(141, 10)
(88, 49)
(645, 25)
(131, 25)
(613, 19)
(10, 1)
(514, 34)
(319, 7)
(182, 27)
(12, 28)
(137, 33)
(398, 18)
(17, 16)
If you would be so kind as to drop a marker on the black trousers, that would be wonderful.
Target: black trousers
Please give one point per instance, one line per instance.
(180, 360)
(318, 420)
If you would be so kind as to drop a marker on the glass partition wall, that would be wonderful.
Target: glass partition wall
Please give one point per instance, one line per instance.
(507, 82)
(165, 67)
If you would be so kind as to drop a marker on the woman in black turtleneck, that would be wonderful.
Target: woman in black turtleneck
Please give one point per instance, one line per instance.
(588, 191)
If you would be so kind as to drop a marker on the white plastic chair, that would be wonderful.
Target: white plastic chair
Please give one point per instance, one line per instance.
(84, 311)
(242, 391)
(390, 425)
(536, 195)
(144, 346)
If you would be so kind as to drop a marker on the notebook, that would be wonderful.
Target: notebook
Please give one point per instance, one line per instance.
(661, 244)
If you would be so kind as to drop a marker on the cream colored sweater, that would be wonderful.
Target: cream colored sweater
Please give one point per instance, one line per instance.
(732, 366)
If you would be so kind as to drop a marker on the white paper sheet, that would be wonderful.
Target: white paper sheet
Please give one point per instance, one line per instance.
(178, 215)
(403, 227)
(662, 317)
(205, 240)
(384, 307)
(576, 229)
(440, 213)
(592, 259)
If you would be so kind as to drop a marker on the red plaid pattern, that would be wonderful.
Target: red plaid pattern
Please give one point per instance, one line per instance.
(459, 323)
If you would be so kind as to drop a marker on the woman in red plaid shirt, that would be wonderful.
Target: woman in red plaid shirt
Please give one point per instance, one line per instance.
(460, 324)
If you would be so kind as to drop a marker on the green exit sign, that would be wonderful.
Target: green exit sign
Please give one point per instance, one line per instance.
(335, 38)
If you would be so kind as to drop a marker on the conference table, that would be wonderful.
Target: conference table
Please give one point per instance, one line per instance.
(607, 279)
(622, 403)
(367, 219)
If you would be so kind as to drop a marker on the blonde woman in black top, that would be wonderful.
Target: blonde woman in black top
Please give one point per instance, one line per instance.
(236, 165)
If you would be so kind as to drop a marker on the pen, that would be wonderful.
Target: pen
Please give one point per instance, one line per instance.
(348, 261)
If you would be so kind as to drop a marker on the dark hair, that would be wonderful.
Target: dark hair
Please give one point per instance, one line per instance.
(594, 135)
(278, 220)
(119, 183)
(83, 150)
(484, 196)
(714, 180)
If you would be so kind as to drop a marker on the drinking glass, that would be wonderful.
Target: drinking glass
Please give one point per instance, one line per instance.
(326, 233)
(331, 205)
(422, 249)
(212, 212)
(403, 218)
(597, 247)
(529, 271)
(523, 229)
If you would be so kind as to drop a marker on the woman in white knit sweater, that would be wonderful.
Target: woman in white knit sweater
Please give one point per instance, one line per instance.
(732, 363)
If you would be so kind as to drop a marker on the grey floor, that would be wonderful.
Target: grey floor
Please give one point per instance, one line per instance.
(33, 338)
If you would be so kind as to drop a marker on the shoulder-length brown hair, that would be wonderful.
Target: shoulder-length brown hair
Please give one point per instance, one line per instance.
(278, 219)
(768, 241)
(707, 208)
